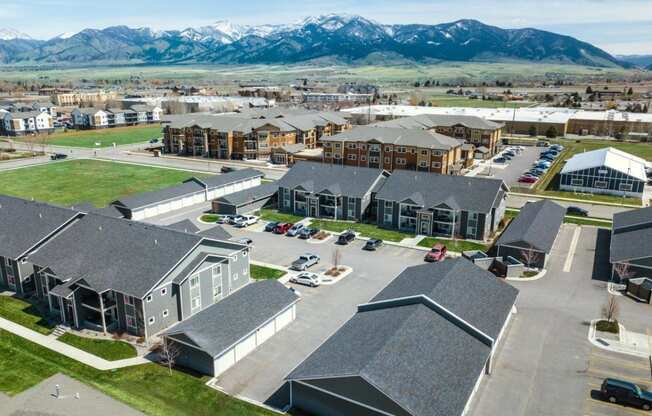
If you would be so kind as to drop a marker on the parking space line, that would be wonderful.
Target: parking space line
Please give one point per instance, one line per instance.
(571, 250)
(620, 362)
(623, 409)
(602, 374)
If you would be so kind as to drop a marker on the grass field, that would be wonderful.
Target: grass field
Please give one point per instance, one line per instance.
(265, 273)
(453, 245)
(103, 348)
(274, 215)
(148, 388)
(23, 313)
(365, 230)
(77, 181)
(105, 137)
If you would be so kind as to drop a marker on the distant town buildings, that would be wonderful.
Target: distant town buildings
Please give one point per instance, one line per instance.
(94, 118)
(82, 98)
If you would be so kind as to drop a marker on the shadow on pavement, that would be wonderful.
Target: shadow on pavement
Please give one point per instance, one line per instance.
(280, 398)
(601, 266)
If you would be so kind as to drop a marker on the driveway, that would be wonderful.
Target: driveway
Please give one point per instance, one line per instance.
(320, 312)
(542, 367)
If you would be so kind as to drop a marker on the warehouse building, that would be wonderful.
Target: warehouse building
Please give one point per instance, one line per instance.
(604, 171)
(419, 348)
(192, 192)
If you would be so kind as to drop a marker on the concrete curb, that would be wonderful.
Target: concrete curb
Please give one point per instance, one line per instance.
(528, 279)
(345, 273)
(594, 341)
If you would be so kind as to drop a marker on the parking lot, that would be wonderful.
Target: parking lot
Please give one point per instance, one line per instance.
(513, 169)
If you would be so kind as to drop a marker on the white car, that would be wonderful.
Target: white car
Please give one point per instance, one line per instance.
(246, 220)
(306, 278)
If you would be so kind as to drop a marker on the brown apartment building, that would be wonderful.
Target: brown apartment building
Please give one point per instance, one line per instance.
(474, 130)
(392, 148)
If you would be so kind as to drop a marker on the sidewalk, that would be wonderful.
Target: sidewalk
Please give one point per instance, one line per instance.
(579, 201)
(627, 342)
(68, 350)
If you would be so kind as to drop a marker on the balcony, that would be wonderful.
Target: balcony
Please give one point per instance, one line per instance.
(93, 302)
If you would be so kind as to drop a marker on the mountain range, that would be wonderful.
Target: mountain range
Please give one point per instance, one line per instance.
(329, 38)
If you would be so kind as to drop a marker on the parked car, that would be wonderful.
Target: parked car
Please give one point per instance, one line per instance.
(306, 278)
(509, 153)
(548, 158)
(542, 143)
(536, 172)
(500, 160)
(527, 179)
(271, 226)
(304, 262)
(58, 156)
(436, 253)
(246, 241)
(543, 162)
(226, 169)
(308, 232)
(152, 141)
(580, 212)
(557, 147)
(346, 237)
(626, 393)
(283, 227)
(544, 167)
(373, 244)
(294, 230)
(245, 221)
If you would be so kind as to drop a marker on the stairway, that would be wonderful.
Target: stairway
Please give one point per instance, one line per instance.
(59, 330)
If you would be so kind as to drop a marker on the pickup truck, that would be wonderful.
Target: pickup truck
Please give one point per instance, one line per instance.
(436, 253)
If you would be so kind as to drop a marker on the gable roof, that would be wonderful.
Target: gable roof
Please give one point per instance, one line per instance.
(220, 326)
(225, 123)
(216, 233)
(396, 136)
(410, 349)
(216, 181)
(635, 217)
(431, 189)
(536, 225)
(23, 224)
(609, 157)
(153, 197)
(316, 177)
(631, 236)
(185, 226)
(428, 121)
(246, 196)
(109, 253)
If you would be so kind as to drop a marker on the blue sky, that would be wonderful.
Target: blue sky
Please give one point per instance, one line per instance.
(619, 26)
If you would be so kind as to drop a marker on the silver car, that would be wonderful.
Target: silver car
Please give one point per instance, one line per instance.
(304, 262)
(306, 278)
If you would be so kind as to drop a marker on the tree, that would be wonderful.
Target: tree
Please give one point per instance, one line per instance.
(551, 133)
(337, 257)
(610, 309)
(168, 352)
(589, 90)
(630, 91)
(532, 131)
(530, 257)
(623, 271)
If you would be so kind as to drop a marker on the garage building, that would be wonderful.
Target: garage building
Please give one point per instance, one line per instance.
(630, 251)
(216, 338)
(246, 201)
(419, 348)
(530, 236)
(604, 171)
(192, 192)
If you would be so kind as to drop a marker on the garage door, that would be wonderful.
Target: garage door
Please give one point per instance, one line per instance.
(238, 187)
(266, 332)
(199, 198)
(137, 215)
(225, 362)
(187, 202)
(151, 212)
(178, 204)
(211, 195)
(285, 318)
(228, 189)
(219, 192)
(163, 208)
(245, 347)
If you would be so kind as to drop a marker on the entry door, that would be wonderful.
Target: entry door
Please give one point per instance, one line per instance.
(425, 224)
(312, 207)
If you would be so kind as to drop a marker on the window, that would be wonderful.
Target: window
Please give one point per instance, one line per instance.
(423, 164)
(436, 152)
(338, 145)
(424, 153)
(436, 165)
(11, 281)
(351, 210)
(131, 321)
(388, 148)
(166, 313)
(164, 291)
(373, 159)
(328, 154)
(400, 161)
(351, 145)
(600, 184)
(363, 158)
(148, 298)
(244, 272)
(353, 157)
(625, 186)
(400, 149)
(151, 320)
(7, 262)
(245, 253)
(235, 276)
(129, 300)
(195, 303)
(337, 156)
(388, 160)
(577, 182)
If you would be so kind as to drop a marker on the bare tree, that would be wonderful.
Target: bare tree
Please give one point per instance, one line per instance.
(337, 257)
(610, 309)
(623, 271)
(530, 256)
(169, 352)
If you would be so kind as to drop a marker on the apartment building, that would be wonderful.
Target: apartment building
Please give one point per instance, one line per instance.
(391, 148)
(473, 130)
(23, 123)
(96, 118)
(70, 99)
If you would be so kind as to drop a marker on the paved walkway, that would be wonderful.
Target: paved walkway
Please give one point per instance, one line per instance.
(68, 350)
(627, 342)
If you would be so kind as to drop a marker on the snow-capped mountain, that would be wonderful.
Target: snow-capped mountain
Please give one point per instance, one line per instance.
(12, 34)
(342, 38)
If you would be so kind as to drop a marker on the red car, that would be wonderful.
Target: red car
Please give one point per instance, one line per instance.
(436, 253)
(527, 179)
(283, 228)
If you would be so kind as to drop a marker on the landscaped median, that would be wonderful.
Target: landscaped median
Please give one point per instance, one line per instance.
(104, 348)
(25, 314)
(149, 388)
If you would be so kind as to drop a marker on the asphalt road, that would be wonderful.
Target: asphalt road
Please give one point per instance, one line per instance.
(596, 211)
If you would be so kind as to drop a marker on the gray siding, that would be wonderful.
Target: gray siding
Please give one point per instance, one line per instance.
(517, 253)
(195, 359)
(160, 303)
(318, 403)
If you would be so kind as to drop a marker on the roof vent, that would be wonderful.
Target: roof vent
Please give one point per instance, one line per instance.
(155, 242)
(99, 228)
(40, 215)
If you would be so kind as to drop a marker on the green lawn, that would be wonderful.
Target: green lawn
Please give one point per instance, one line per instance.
(209, 218)
(453, 245)
(148, 388)
(106, 137)
(78, 181)
(274, 215)
(103, 348)
(265, 273)
(25, 314)
(366, 230)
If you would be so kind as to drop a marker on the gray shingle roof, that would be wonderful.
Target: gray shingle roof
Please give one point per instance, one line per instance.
(224, 123)
(185, 226)
(632, 218)
(223, 324)
(265, 190)
(631, 236)
(430, 190)
(109, 211)
(148, 198)
(396, 136)
(25, 223)
(109, 253)
(410, 351)
(536, 226)
(217, 181)
(216, 233)
(428, 121)
(339, 180)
